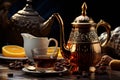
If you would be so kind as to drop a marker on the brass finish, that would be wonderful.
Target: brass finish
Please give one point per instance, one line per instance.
(103, 23)
(83, 49)
(84, 8)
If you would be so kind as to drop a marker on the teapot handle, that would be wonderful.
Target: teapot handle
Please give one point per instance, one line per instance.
(108, 29)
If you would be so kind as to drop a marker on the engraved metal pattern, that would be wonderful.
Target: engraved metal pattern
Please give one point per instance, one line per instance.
(25, 22)
(77, 36)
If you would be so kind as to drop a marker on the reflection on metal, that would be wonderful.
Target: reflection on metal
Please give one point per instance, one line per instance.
(83, 48)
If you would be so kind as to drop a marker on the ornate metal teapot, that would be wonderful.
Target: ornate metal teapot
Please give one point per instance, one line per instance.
(29, 21)
(83, 48)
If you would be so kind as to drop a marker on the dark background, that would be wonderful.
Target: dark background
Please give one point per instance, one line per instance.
(108, 10)
(69, 10)
(97, 9)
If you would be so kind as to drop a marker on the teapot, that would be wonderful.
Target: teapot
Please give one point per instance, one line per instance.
(83, 48)
(28, 20)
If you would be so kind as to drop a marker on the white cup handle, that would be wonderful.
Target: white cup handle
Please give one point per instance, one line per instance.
(56, 44)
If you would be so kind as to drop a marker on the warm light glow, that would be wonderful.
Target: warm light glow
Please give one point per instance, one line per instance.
(92, 69)
(97, 48)
(51, 50)
(73, 48)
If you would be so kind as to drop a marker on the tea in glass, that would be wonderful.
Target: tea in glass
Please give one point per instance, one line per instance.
(43, 61)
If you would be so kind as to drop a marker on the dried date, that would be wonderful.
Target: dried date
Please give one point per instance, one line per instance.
(61, 64)
(18, 64)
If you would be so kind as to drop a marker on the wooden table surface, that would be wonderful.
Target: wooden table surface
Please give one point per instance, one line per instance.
(21, 75)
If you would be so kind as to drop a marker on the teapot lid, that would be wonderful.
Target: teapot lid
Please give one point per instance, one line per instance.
(28, 10)
(83, 18)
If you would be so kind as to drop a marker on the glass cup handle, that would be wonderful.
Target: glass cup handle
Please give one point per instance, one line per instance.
(56, 44)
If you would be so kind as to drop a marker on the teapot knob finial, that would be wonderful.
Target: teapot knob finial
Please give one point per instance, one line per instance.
(84, 8)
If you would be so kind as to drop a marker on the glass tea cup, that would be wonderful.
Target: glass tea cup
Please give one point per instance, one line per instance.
(44, 61)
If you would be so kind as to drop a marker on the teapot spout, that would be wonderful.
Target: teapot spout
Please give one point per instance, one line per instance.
(63, 47)
(45, 27)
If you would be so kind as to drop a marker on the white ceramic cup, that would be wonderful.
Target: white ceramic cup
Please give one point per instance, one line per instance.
(44, 44)
(31, 42)
(41, 43)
